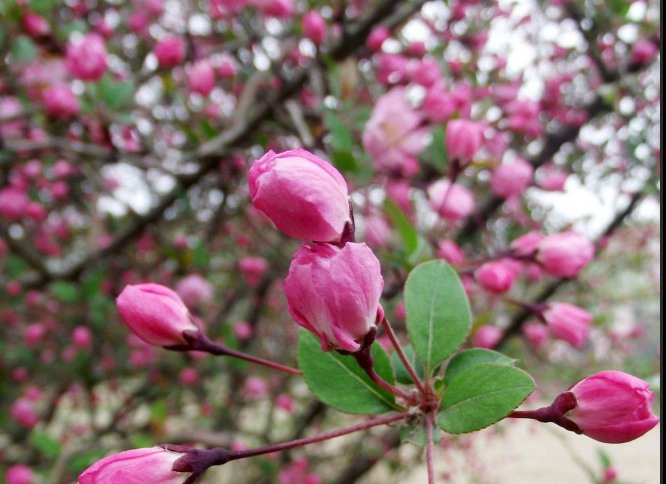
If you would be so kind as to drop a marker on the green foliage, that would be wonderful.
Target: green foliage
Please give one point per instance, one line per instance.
(115, 94)
(66, 292)
(475, 356)
(338, 381)
(401, 373)
(438, 314)
(23, 49)
(47, 446)
(481, 395)
(411, 240)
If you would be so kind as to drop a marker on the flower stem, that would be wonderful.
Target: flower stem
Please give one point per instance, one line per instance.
(366, 362)
(318, 438)
(429, 450)
(200, 342)
(401, 354)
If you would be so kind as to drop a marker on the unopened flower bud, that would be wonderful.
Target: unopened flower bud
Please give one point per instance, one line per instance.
(86, 57)
(155, 313)
(303, 195)
(511, 179)
(463, 139)
(564, 254)
(334, 293)
(496, 276)
(314, 27)
(568, 322)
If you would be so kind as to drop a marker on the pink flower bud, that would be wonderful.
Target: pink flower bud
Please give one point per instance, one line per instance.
(377, 231)
(24, 412)
(155, 313)
(188, 376)
(438, 105)
(451, 202)
(285, 402)
(19, 474)
(511, 179)
(568, 322)
(334, 293)
(486, 336)
(86, 57)
(194, 290)
(536, 334)
(303, 195)
(314, 27)
(612, 407)
(377, 38)
(496, 276)
(81, 337)
(13, 203)
(35, 25)
(276, 8)
(553, 180)
(426, 73)
(60, 102)
(564, 254)
(450, 252)
(255, 387)
(526, 245)
(643, 51)
(136, 466)
(463, 139)
(170, 51)
(201, 77)
(253, 269)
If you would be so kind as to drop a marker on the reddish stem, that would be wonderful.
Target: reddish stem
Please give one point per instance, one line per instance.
(401, 354)
(429, 450)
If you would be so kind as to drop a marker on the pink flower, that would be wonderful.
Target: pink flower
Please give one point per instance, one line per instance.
(193, 290)
(314, 27)
(643, 51)
(393, 132)
(86, 57)
(496, 276)
(60, 102)
(564, 254)
(511, 179)
(612, 407)
(568, 322)
(552, 179)
(377, 231)
(536, 334)
(334, 293)
(438, 105)
(276, 8)
(450, 252)
(170, 51)
(136, 466)
(451, 202)
(35, 25)
(201, 77)
(526, 245)
(303, 195)
(253, 269)
(486, 336)
(463, 139)
(155, 313)
(19, 474)
(377, 38)
(13, 203)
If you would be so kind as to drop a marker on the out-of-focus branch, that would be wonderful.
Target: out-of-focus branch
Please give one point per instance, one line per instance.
(547, 292)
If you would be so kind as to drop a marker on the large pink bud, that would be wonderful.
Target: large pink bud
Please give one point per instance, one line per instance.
(314, 27)
(568, 322)
(511, 179)
(136, 466)
(334, 293)
(201, 77)
(155, 313)
(451, 202)
(564, 254)
(463, 139)
(303, 195)
(612, 407)
(495, 276)
(86, 57)
(170, 51)
(60, 102)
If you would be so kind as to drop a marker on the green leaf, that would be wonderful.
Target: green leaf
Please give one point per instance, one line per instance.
(436, 151)
(344, 161)
(23, 49)
(81, 461)
(401, 373)
(46, 445)
(341, 138)
(66, 292)
(43, 7)
(410, 237)
(482, 395)
(438, 314)
(338, 381)
(476, 356)
(116, 94)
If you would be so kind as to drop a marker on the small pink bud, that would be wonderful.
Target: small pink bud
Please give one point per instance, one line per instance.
(201, 77)
(243, 330)
(170, 51)
(450, 252)
(285, 402)
(81, 337)
(612, 407)
(303, 195)
(496, 277)
(253, 270)
(486, 336)
(643, 51)
(60, 102)
(526, 245)
(438, 105)
(314, 27)
(377, 231)
(564, 254)
(463, 139)
(568, 322)
(377, 38)
(188, 376)
(194, 290)
(609, 475)
(536, 334)
(451, 202)
(86, 57)
(19, 474)
(155, 313)
(24, 412)
(276, 8)
(334, 293)
(13, 203)
(255, 387)
(511, 179)
(426, 72)
(151, 465)
(35, 25)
